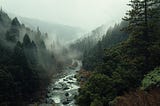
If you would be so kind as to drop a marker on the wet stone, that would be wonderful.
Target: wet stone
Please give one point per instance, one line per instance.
(63, 91)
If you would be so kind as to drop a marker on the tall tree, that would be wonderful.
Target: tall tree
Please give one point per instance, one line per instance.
(12, 35)
(141, 22)
(142, 16)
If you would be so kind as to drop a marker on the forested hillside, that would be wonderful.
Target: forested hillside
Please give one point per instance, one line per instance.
(26, 64)
(89, 40)
(64, 32)
(125, 60)
(94, 55)
(109, 66)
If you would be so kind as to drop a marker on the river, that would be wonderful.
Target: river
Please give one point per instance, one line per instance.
(62, 90)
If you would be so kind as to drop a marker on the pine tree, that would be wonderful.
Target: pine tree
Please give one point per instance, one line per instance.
(26, 41)
(12, 35)
(19, 55)
(15, 22)
(133, 17)
(143, 17)
(30, 50)
(142, 20)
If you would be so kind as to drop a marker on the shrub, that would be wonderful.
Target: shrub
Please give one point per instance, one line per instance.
(152, 79)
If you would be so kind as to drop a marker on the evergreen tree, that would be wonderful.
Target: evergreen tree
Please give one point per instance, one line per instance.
(19, 55)
(12, 35)
(126, 63)
(142, 22)
(6, 83)
(30, 50)
(26, 41)
(15, 22)
(143, 18)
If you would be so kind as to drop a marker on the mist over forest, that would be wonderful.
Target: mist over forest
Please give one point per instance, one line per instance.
(80, 53)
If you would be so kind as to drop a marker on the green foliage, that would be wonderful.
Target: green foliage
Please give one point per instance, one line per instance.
(19, 57)
(122, 66)
(93, 57)
(6, 82)
(25, 78)
(13, 33)
(152, 79)
(99, 87)
(26, 41)
(96, 102)
(30, 50)
(15, 22)
(84, 44)
(154, 50)
(21, 69)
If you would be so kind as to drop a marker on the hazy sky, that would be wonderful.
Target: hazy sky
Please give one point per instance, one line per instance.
(87, 14)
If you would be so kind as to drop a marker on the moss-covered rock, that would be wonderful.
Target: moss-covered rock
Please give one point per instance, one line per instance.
(152, 79)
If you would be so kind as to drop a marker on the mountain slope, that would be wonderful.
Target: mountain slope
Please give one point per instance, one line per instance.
(66, 33)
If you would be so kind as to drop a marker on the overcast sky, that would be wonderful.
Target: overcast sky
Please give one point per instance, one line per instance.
(86, 14)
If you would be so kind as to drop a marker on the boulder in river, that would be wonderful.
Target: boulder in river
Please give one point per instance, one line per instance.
(66, 88)
(66, 102)
(57, 87)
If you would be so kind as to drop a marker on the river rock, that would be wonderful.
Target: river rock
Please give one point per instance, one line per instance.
(65, 102)
(57, 87)
(66, 88)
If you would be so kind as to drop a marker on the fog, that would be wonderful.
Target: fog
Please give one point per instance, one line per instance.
(70, 16)
(87, 14)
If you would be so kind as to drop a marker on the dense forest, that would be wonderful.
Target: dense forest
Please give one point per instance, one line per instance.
(26, 64)
(89, 40)
(124, 64)
(115, 66)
